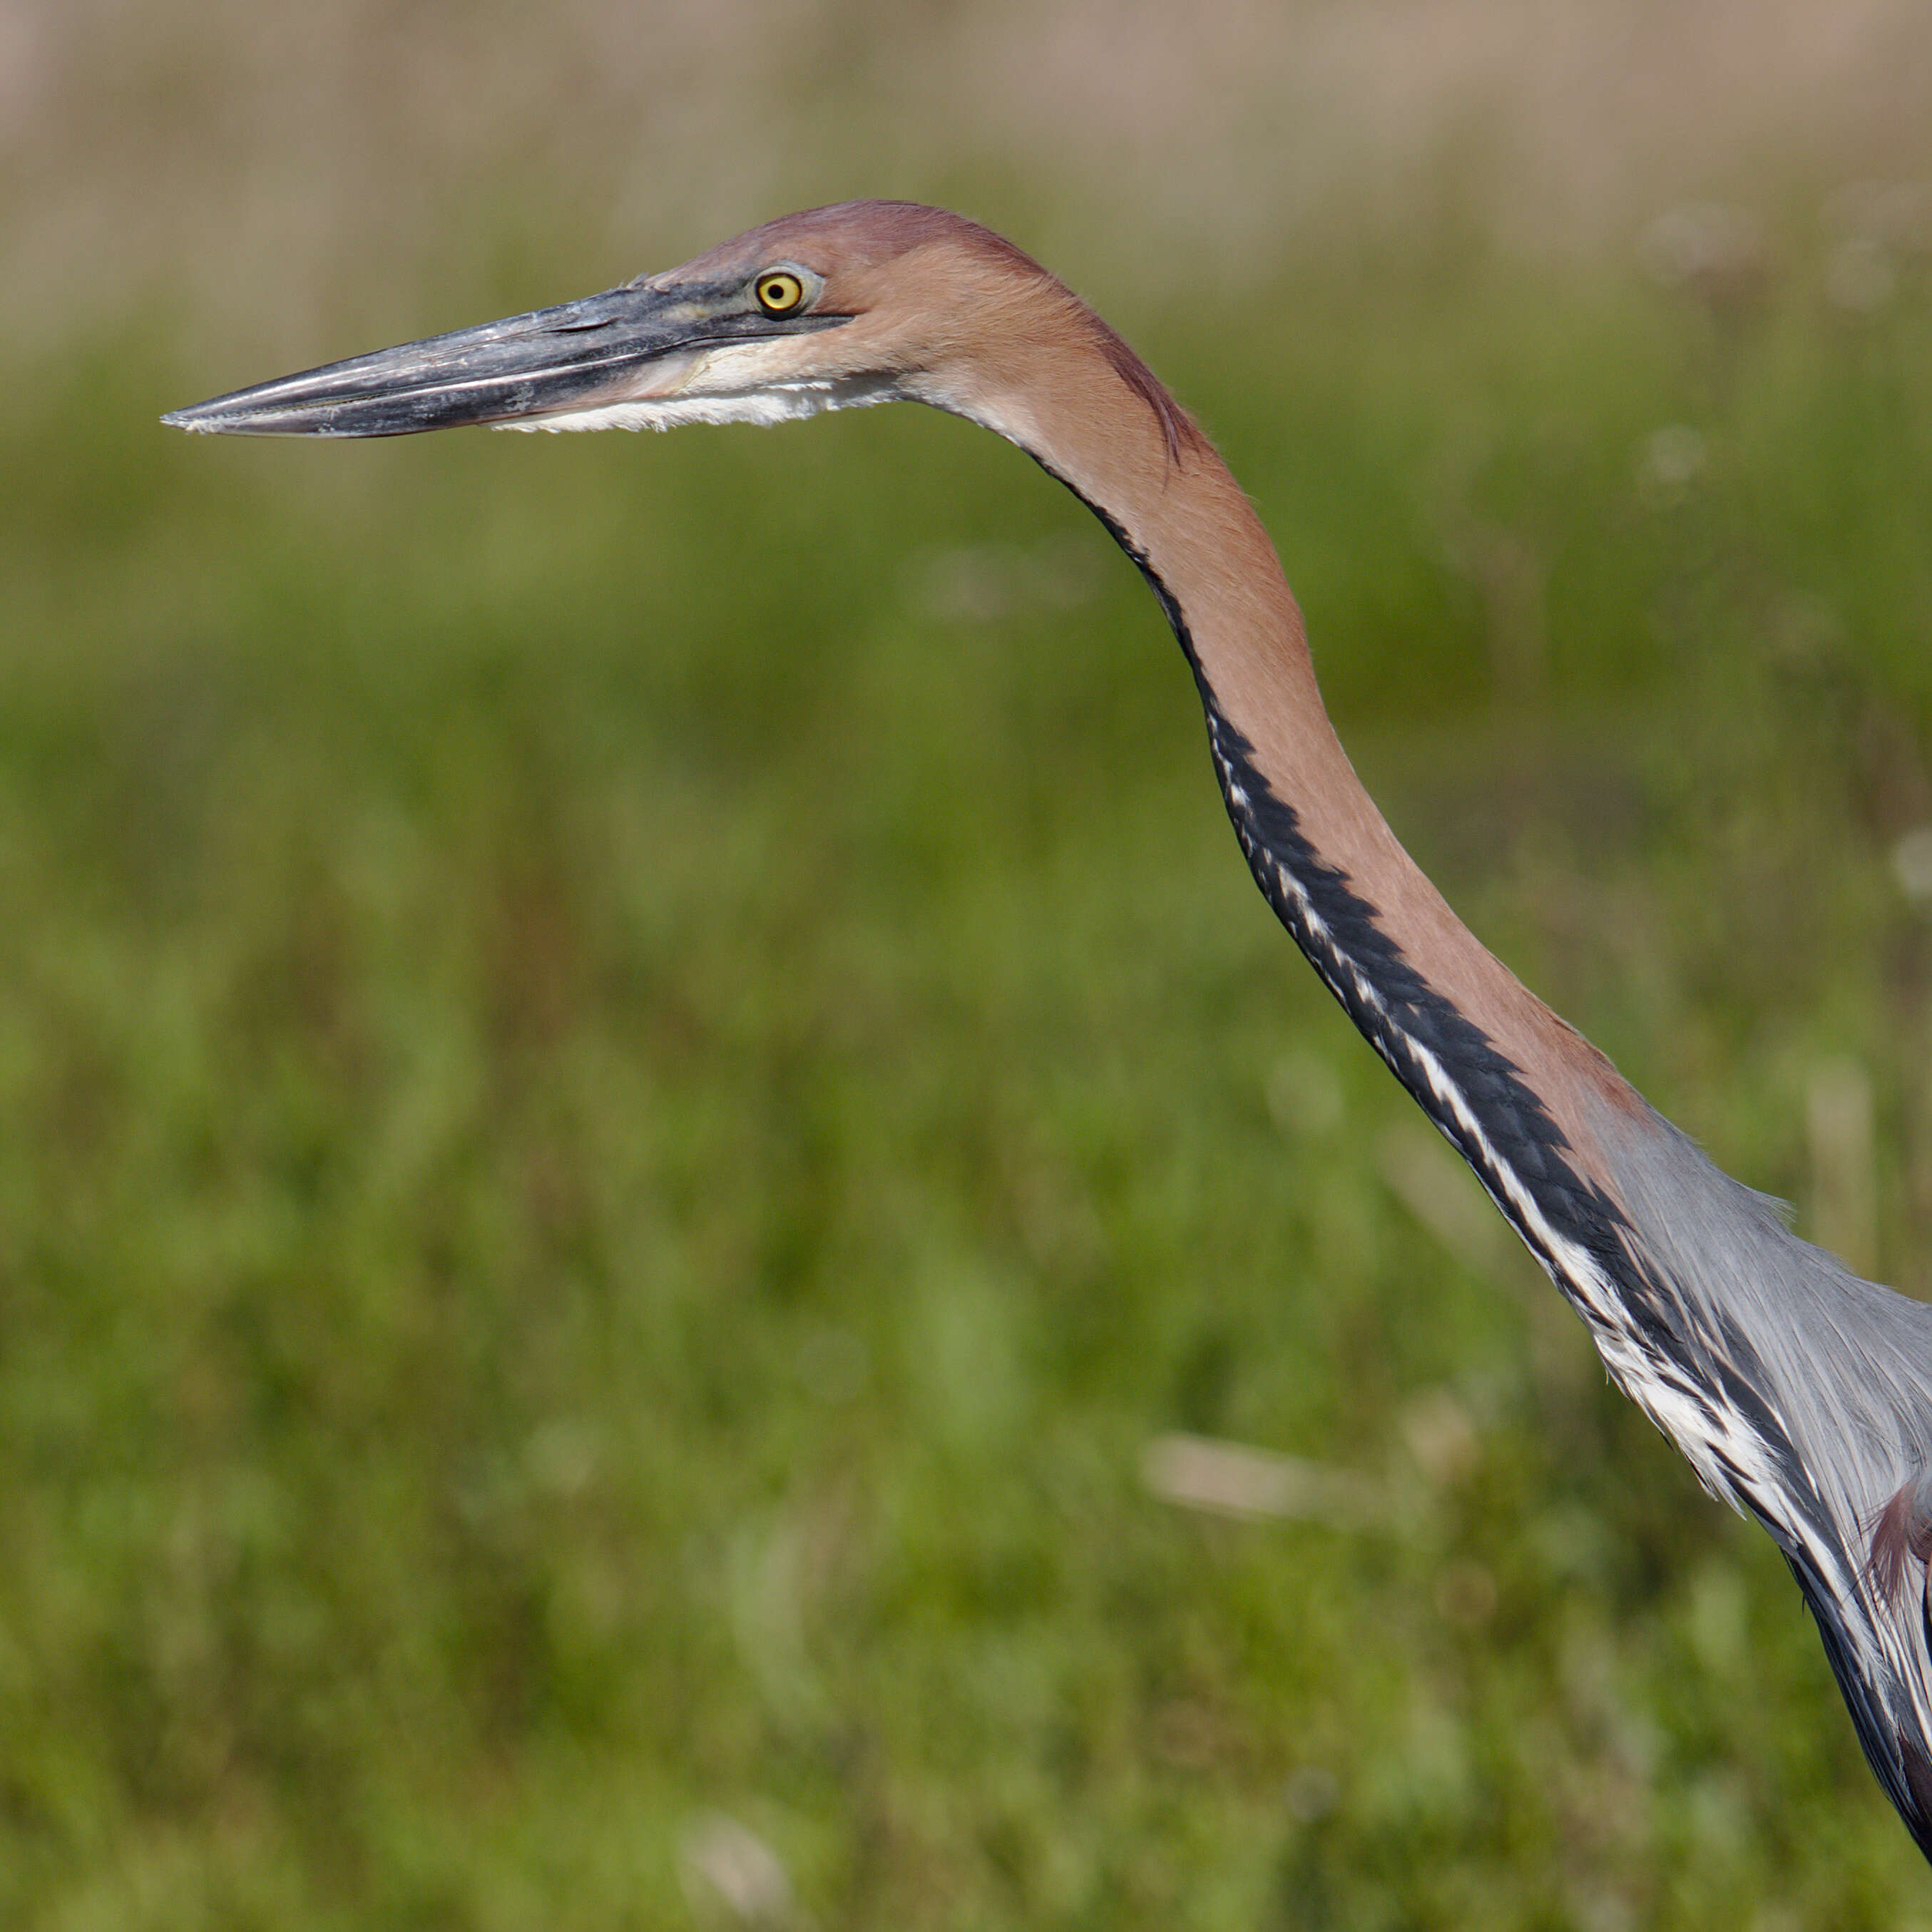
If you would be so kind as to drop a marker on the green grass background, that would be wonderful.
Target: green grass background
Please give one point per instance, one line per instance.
(617, 1131)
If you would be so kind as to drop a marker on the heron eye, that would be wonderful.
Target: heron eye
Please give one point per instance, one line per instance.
(780, 292)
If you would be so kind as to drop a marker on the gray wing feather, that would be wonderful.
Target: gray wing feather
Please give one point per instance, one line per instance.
(1802, 1396)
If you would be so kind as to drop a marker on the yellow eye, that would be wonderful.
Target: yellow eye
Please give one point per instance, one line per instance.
(779, 292)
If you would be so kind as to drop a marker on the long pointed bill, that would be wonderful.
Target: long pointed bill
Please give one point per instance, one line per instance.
(628, 344)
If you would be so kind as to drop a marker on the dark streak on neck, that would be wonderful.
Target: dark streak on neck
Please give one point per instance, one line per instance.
(1408, 1017)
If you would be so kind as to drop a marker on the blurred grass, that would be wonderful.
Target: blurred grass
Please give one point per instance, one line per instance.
(620, 1130)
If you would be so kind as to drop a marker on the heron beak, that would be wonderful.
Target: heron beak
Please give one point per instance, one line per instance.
(624, 345)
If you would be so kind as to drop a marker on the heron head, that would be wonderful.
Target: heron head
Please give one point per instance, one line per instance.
(865, 302)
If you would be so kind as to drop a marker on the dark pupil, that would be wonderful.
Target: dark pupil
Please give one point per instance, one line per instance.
(778, 292)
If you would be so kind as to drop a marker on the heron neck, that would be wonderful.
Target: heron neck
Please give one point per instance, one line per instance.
(1453, 1023)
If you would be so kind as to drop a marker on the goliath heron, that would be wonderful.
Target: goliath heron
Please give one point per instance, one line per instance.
(1800, 1395)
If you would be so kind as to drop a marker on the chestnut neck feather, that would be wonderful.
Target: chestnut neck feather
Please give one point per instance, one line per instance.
(1410, 973)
